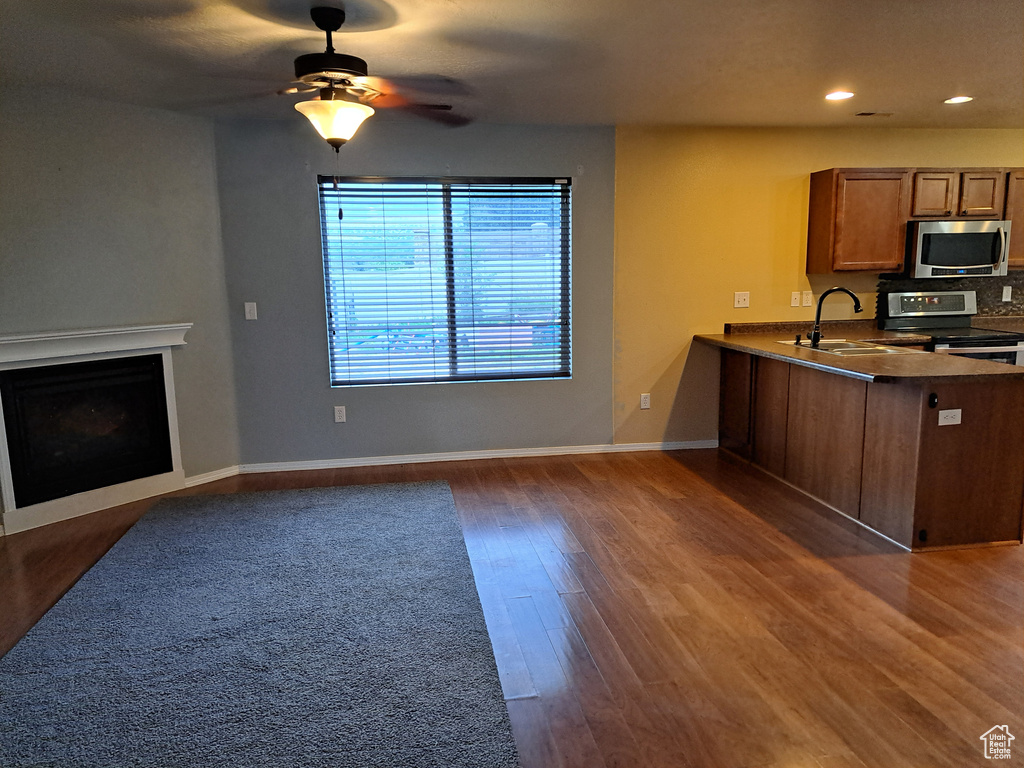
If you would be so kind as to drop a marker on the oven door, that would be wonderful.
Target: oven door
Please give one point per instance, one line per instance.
(1013, 354)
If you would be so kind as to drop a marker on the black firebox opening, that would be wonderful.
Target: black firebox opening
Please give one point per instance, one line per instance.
(76, 427)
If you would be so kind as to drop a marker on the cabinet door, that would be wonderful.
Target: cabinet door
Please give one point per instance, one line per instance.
(892, 431)
(771, 414)
(935, 193)
(1015, 214)
(735, 401)
(870, 221)
(978, 499)
(982, 193)
(825, 436)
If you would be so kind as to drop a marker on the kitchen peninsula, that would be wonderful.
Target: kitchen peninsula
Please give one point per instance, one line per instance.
(925, 449)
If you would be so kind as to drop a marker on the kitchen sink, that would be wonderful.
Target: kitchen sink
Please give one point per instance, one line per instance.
(852, 348)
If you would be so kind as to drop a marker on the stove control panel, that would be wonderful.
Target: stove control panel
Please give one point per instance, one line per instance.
(937, 303)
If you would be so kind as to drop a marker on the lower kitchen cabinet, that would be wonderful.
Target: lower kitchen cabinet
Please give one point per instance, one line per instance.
(877, 452)
(734, 397)
(928, 484)
(770, 414)
(825, 436)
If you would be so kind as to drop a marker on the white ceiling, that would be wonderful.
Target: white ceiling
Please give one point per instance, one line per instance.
(652, 62)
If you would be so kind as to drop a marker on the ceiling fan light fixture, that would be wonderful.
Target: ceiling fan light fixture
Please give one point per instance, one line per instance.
(839, 95)
(959, 100)
(335, 118)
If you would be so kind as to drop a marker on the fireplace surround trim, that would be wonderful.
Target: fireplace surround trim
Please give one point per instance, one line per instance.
(55, 347)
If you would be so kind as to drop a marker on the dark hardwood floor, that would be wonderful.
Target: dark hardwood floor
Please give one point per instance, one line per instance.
(681, 609)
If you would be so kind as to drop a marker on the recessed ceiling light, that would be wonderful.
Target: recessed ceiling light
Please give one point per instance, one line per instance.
(958, 100)
(839, 95)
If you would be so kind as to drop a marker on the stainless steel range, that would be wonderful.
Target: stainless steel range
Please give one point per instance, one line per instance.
(946, 317)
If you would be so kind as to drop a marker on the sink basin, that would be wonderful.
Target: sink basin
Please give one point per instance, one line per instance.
(852, 348)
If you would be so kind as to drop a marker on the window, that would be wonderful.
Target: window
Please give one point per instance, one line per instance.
(440, 279)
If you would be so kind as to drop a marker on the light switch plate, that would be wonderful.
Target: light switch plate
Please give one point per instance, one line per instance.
(949, 417)
(250, 310)
(807, 299)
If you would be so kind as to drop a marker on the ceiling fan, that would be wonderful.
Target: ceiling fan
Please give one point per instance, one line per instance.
(348, 94)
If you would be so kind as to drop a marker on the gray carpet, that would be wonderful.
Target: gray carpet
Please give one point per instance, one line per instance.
(325, 627)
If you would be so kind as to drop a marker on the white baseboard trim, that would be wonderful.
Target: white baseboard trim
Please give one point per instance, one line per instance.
(209, 477)
(501, 453)
(42, 514)
(24, 518)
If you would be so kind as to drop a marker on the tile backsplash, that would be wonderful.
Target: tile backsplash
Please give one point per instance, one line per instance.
(988, 289)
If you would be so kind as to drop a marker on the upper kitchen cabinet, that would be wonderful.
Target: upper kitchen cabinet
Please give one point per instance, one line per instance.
(857, 221)
(1015, 215)
(958, 193)
(982, 194)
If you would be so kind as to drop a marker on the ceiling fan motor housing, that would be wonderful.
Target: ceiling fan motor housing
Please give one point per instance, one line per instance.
(327, 67)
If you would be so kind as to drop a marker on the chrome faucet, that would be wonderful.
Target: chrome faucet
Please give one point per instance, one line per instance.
(815, 335)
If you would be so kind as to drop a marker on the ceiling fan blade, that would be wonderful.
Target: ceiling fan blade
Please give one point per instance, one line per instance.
(438, 85)
(296, 89)
(439, 113)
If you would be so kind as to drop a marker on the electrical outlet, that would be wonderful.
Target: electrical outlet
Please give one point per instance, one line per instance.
(339, 414)
(741, 299)
(949, 417)
(794, 299)
(807, 299)
(645, 401)
(250, 310)
(1007, 293)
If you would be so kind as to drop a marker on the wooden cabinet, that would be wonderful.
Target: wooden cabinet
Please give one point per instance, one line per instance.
(857, 220)
(982, 194)
(735, 394)
(753, 405)
(875, 450)
(935, 193)
(1015, 215)
(825, 437)
(770, 414)
(952, 194)
(966, 481)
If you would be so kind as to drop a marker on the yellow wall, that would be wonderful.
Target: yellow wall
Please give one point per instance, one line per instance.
(701, 213)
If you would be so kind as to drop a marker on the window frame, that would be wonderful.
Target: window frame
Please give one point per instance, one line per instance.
(562, 193)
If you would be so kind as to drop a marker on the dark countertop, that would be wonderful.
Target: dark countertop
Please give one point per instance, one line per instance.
(1013, 323)
(859, 330)
(913, 366)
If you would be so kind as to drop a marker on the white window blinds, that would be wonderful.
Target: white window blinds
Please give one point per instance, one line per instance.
(438, 279)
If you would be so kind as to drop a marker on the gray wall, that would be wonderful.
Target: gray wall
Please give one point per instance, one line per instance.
(108, 217)
(267, 174)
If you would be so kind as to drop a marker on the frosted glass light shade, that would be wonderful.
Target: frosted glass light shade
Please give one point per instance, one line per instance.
(336, 120)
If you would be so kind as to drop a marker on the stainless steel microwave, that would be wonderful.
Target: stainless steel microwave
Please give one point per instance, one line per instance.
(958, 248)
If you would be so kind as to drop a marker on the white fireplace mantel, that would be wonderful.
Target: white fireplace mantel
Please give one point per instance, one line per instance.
(51, 345)
(55, 347)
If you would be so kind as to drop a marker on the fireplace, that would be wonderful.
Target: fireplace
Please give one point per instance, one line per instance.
(87, 421)
(76, 427)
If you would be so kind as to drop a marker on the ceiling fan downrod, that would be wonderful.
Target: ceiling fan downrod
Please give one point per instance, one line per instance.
(327, 68)
(329, 20)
